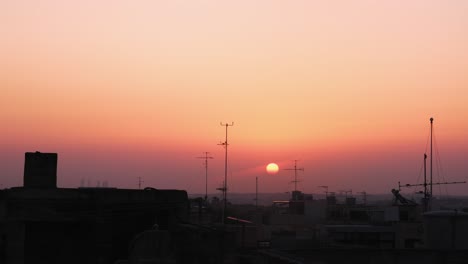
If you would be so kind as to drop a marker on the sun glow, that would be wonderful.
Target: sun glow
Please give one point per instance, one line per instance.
(272, 168)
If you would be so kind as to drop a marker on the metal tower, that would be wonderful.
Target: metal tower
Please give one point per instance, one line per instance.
(295, 169)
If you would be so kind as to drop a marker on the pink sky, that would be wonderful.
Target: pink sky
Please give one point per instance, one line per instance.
(128, 89)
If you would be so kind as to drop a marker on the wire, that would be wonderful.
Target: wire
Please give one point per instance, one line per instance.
(420, 172)
(440, 172)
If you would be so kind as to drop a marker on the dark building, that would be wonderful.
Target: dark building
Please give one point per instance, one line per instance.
(40, 223)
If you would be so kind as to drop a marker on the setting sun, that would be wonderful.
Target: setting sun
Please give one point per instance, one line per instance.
(272, 168)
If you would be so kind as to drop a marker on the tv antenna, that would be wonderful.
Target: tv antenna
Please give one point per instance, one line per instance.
(326, 189)
(256, 192)
(225, 188)
(346, 192)
(295, 169)
(206, 157)
(428, 192)
(140, 181)
(364, 197)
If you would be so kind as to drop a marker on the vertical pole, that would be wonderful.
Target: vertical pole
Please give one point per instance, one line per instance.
(295, 175)
(256, 192)
(206, 176)
(295, 178)
(425, 184)
(432, 119)
(206, 157)
(139, 182)
(225, 169)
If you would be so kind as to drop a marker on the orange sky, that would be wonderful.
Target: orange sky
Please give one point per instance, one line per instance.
(122, 89)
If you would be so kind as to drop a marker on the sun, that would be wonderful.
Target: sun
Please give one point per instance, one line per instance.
(272, 168)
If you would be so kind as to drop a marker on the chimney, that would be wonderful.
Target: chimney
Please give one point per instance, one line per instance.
(40, 170)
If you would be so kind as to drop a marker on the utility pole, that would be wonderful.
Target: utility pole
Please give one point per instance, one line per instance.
(140, 181)
(295, 169)
(225, 188)
(206, 157)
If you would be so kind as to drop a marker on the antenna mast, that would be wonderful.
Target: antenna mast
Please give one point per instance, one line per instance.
(295, 169)
(432, 120)
(256, 192)
(140, 181)
(206, 157)
(326, 189)
(364, 197)
(225, 144)
(428, 193)
(345, 192)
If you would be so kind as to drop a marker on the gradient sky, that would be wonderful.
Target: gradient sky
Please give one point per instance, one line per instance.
(127, 89)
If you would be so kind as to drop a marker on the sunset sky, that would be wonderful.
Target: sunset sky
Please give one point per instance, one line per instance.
(124, 89)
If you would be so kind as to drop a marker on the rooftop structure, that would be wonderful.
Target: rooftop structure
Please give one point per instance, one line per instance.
(42, 223)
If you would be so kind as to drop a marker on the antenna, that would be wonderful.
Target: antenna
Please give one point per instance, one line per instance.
(432, 120)
(364, 197)
(435, 183)
(225, 144)
(206, 157)
(221, 188)
(256, 192)
(140, 181)
(295, 169)
(326, 189)
(427, 196)
(346, 192)
(428, 193)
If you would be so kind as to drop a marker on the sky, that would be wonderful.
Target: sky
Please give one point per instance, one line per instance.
(126, 89)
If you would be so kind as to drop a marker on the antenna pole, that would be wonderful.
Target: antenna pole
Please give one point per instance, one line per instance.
(326, 190)
(295, 169)
(225, 144)
(139, 183)
(426, 196)
(256, 192)
(206, 157)
(432, 120)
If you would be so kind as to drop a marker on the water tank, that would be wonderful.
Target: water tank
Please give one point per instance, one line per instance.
(446, 230)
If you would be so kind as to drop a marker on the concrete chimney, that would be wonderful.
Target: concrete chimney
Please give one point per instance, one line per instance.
(40, 170)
